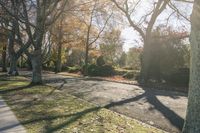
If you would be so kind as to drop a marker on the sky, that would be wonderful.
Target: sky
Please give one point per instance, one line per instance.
(131, 37)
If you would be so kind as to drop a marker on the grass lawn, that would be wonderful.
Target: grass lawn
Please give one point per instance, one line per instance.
(44, 109)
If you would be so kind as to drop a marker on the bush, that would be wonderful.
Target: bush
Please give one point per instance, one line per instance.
(73, 69)
(167, 55)
(179, 77)
(93, 70)
(128, 68)
(48, 68)
(100, 61)
(132, 75)
(119, 71)
(105, 70)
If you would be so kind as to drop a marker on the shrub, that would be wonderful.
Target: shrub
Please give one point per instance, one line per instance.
(83, 68)
(105, 70)
(119, 71)
(73, 69)
(100, 61)
(128, 68)
(132, 75)
(93, 70)
(179, 77)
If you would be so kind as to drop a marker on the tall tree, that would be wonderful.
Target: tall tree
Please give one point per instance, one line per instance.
(59, 42)
(12, 27)
(111, 46)
(144, 26)
(192, 122)
(95, 17)
(4, 22)
(134, 57)
(3, 46)
(35, 17)
(4, 62)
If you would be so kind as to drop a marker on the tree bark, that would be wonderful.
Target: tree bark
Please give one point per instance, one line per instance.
(192, 122)
(13, 66)
(22, 61)
(145, 62)
(59, 58)
(36, 61)
(159, 7)
(86, 60)
(29, 65)
(4, 66)
(12, 54)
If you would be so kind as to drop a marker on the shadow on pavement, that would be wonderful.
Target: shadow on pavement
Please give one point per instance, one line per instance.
(174, 119)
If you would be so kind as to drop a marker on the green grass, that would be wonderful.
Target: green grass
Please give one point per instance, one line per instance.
(43, 109)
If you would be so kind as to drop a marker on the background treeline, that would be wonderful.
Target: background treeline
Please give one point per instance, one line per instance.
(85, 37)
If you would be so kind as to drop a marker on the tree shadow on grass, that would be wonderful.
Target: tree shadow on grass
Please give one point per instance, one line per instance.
(174, 119)
(71, 118)
(151, 98)
(74, 117)
(5, 91)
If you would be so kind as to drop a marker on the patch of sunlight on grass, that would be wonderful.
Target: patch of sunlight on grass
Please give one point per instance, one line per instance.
(8, 82)
(11, 84)
(45, 109)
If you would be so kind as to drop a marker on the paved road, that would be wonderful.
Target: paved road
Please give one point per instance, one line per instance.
(8, 121)
(163, 109)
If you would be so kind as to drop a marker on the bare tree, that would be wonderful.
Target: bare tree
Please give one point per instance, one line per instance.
(4, 52)
(34, 17)
(4, 22)
(59, 27)
(144, 26)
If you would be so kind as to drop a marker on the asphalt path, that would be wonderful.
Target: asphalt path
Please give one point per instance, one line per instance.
(163, 109)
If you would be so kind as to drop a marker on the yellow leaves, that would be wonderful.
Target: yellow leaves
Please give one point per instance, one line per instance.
(94, 53)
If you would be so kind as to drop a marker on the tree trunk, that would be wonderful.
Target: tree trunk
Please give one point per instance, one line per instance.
(36, 61)
(86, 60)
(59, 58)
(4, 66)
(13, 66)
(192, 122)
(12, 55)
(29, 65)
(145, 63)
(22, 61)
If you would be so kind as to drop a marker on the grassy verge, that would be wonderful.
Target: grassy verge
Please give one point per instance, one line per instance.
(43, 109)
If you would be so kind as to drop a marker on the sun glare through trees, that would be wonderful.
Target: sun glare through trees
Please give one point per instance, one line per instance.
(114, 66)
